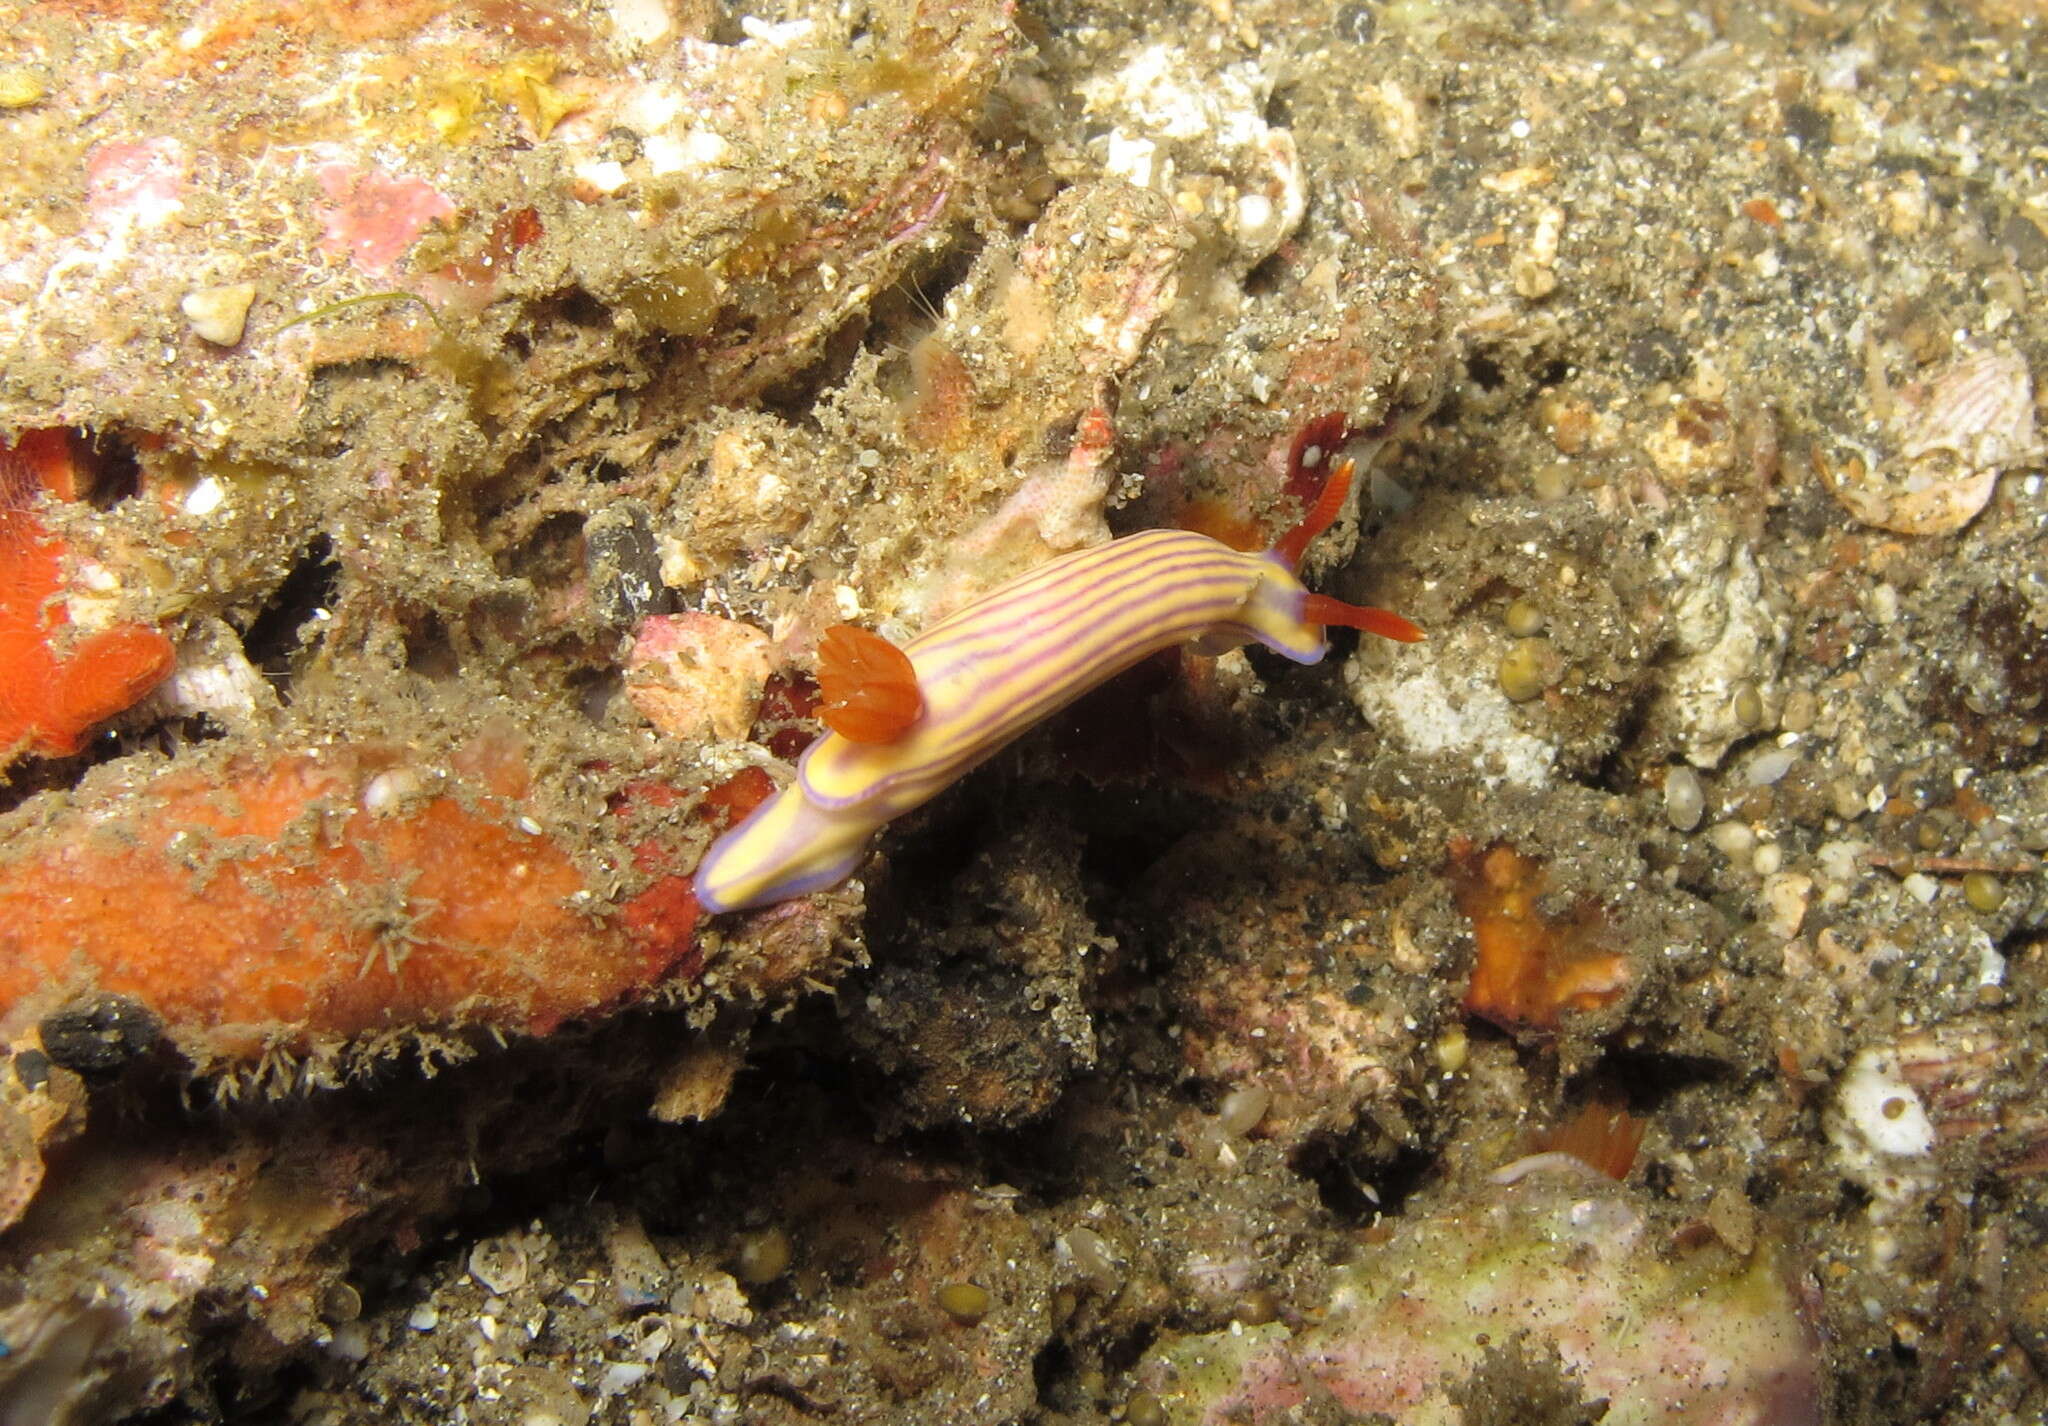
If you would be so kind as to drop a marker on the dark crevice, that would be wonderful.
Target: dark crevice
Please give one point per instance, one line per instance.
(290, 621)
(1617, 771)
(1647, 1080)
(429, 648)
(113, 473)
(1265, 279)
(551, 556)
(918, 300)
(1484, 372)
(1359, 1192)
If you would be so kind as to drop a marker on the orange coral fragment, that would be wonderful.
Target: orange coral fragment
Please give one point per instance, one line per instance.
(289, 901)
(53, 690)
(1531, 968)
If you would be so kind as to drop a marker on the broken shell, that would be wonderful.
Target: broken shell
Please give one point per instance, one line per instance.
(219, 313)
(499, 1265)
(1954, 435)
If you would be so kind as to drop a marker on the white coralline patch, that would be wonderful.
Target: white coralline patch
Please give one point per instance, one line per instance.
(1881, 1110)
(640, 22)
(1725, 632)
(1437, 701)
(693, 151)
(1200, 137)
(1879, 1128)
(698, 676)
(603, 175)
(1580, 1267)
(1950, 437)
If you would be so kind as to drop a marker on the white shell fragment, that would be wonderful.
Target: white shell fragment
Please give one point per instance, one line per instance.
(1880, 1109)
(1952, 436)
(213, 676)
(218, 314)
(1880, 1130)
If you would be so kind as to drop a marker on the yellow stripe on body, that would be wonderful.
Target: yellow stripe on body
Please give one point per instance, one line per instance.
(996, 667)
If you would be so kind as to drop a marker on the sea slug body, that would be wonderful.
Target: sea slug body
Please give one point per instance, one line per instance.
(989, 672)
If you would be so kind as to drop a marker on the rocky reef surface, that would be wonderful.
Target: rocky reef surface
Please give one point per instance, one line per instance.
(434, 440)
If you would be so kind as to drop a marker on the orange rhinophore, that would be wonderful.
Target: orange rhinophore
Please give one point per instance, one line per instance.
(54, 688)
(869, 688)
(1531, 967)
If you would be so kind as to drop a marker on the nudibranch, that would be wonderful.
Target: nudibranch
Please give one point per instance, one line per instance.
(905, 723)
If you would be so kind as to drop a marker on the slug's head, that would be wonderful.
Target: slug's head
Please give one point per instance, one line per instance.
(1281, 613)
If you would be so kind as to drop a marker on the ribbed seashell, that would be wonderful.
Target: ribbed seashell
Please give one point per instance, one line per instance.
(1952, 436)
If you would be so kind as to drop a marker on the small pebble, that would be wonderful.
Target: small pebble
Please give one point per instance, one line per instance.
(20, 88)
(1685, 799)
(341, 1303)
(424, 1318)
(1801, 709)
(1983, 891)
(1356, 23)
(1845, 799)
(965, 1302)
(1452, 1049)
(1551, 482)
(1769, 766)
(1731, 839)
(622, 562)
(1259, 1306)
(1921, 887)
(1748, 706)
(1242, 1109)
(99, 1033)
(1769, 858)
(1523, 619)
(498, 1264)
(621, 1377)
(1142, 1408)
(1521, 671)
(1090, 1254)
(350, 1342)
(763, 1257)
(219, 314)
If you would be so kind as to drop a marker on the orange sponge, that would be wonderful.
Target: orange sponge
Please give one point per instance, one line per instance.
(299, 900)
(53, 689)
